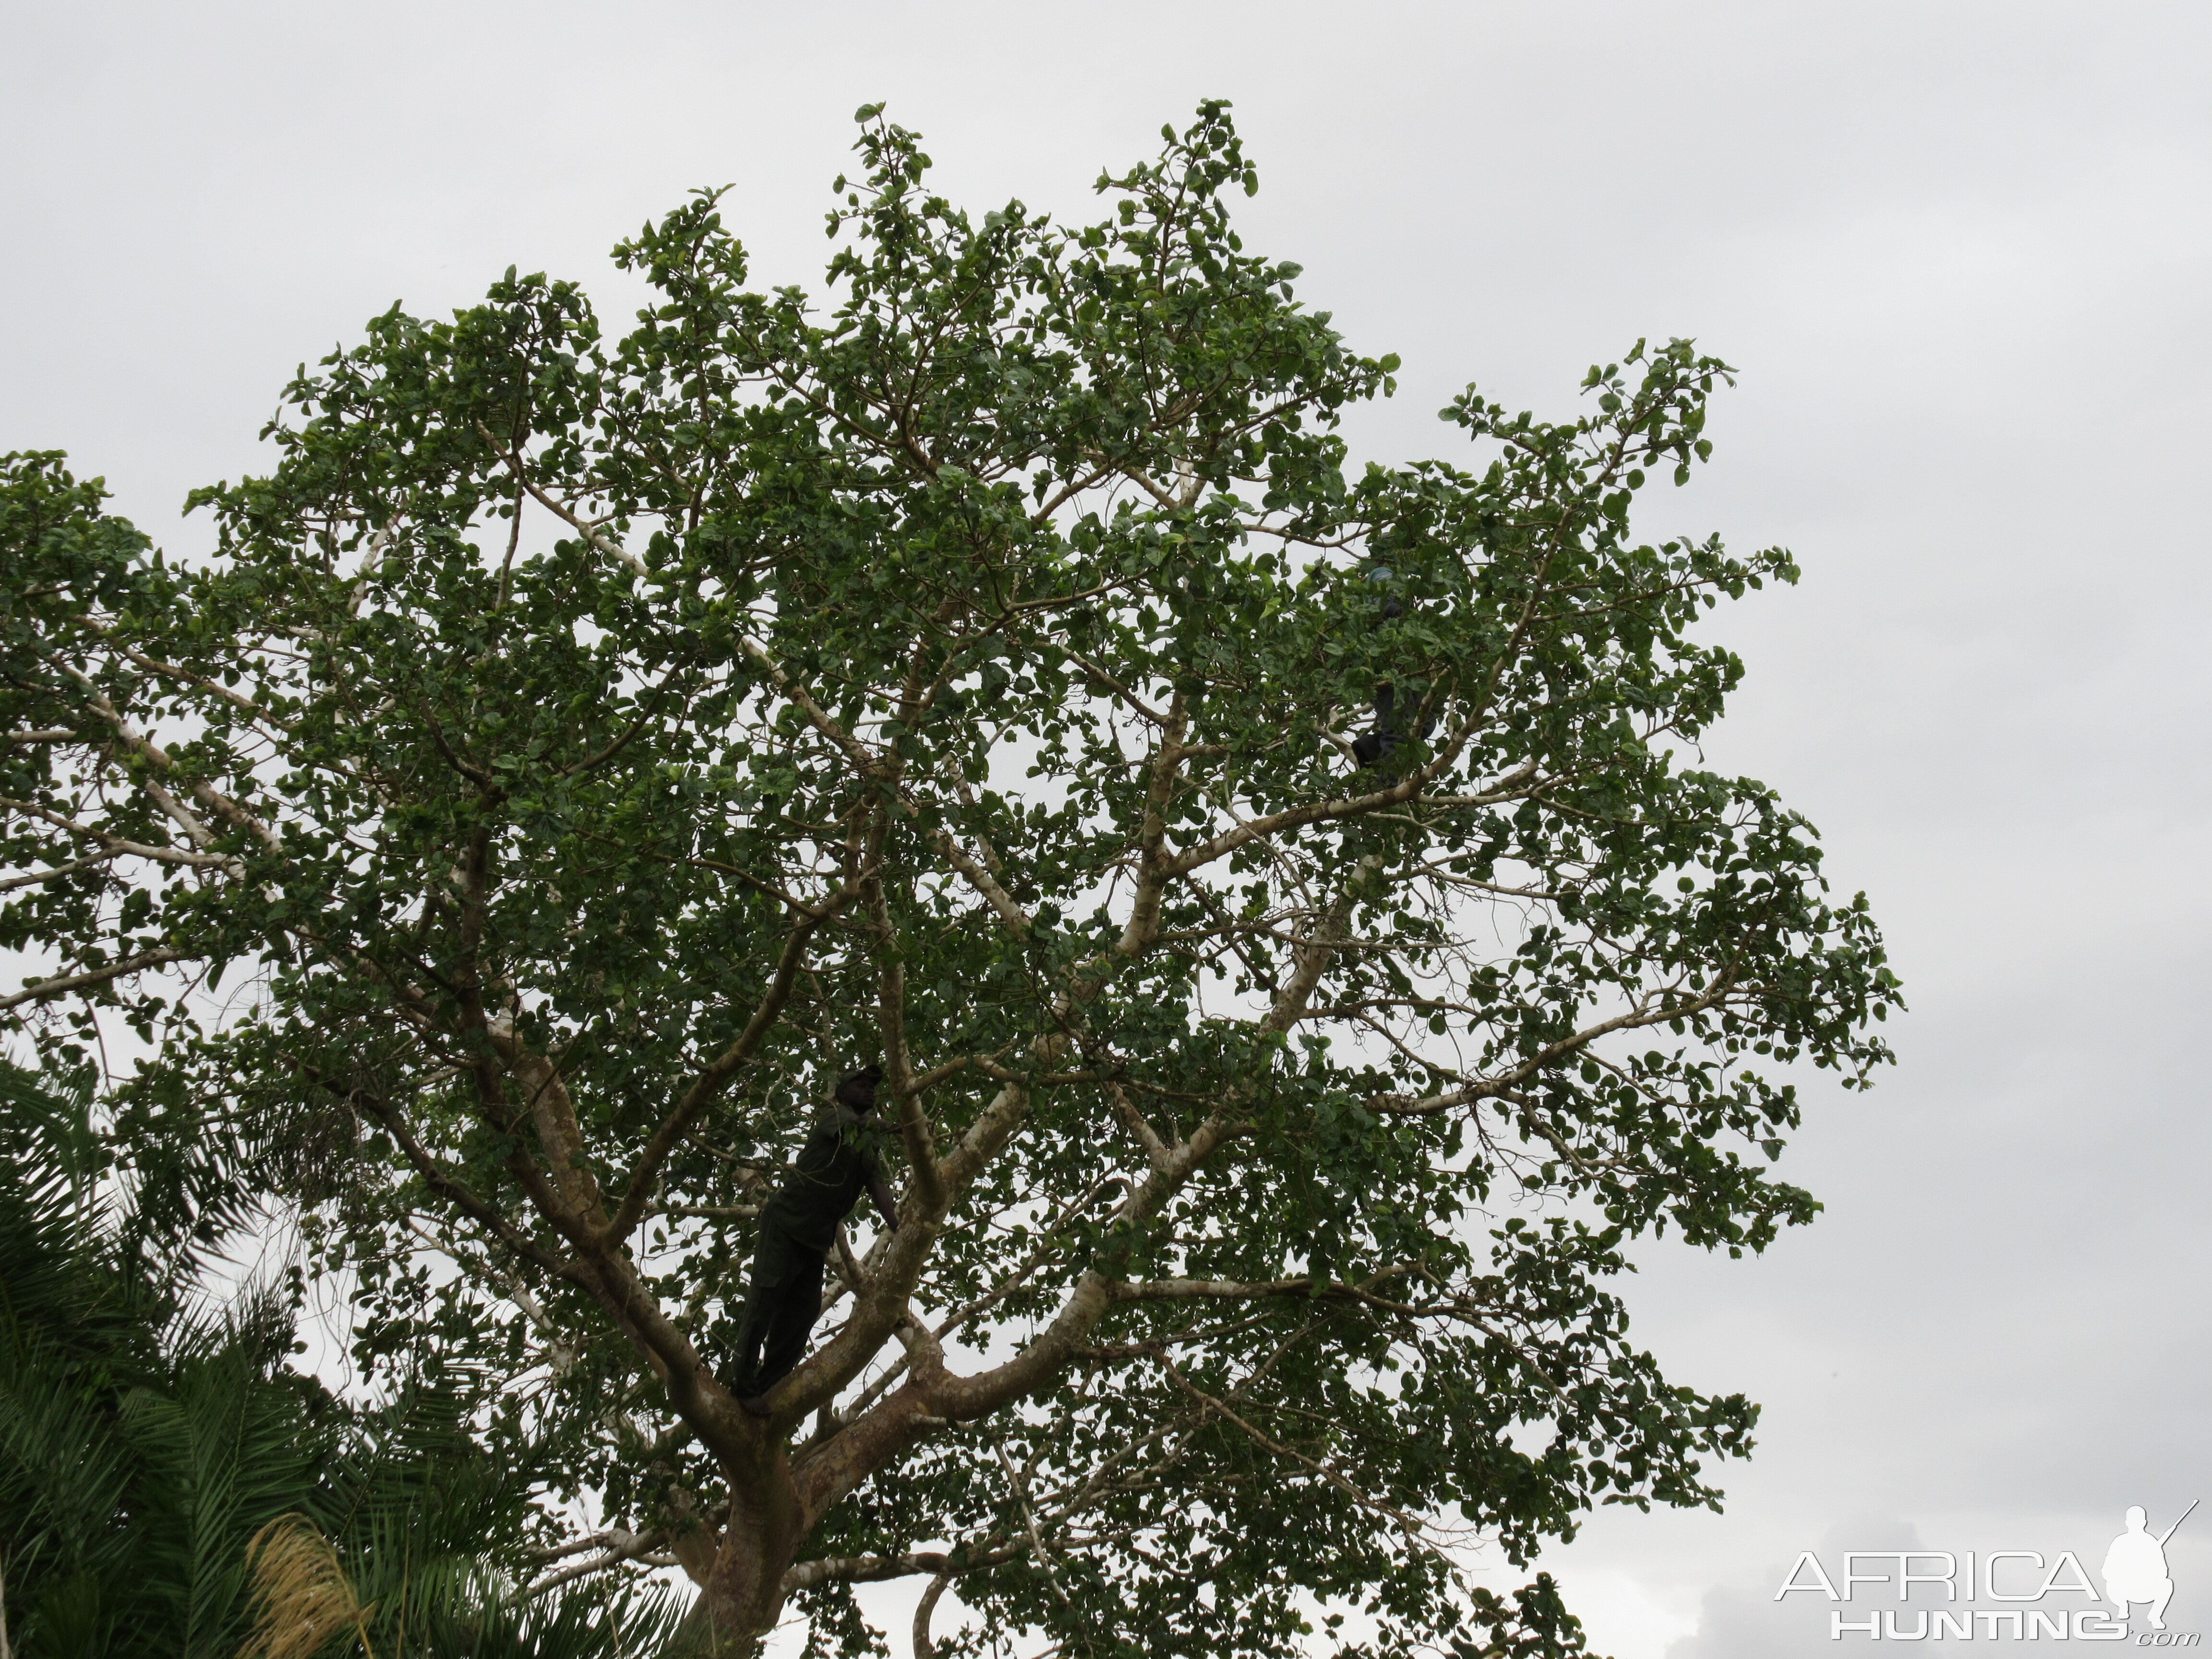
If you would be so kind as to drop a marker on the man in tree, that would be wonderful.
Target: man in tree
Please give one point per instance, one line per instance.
(574, 737)
(1376, 746)
(798, 1229)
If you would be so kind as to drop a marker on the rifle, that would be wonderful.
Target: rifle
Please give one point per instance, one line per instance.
(2176, 1527)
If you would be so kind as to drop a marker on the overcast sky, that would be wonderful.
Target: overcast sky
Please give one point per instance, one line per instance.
(1961, 254)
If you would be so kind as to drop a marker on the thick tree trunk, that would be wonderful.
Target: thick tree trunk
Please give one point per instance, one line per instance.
(743, 1596)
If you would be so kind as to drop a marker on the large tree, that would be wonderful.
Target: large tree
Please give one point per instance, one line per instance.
(579, 752)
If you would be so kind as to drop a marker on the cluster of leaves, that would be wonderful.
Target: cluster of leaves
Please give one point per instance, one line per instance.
(143, 1446)
(590, 748)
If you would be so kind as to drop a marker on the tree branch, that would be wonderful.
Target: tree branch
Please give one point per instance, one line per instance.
(61, 984)
(711, 1080)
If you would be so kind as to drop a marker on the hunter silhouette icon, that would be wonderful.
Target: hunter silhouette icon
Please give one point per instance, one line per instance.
(2134, 1566)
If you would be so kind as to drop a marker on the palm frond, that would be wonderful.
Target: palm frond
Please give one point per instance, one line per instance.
(303, 1592)
(168, 1485)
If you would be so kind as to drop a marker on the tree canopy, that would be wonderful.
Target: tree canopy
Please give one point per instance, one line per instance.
(581, 750)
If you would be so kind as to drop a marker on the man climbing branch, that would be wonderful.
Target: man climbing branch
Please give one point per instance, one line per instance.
(798, 1230)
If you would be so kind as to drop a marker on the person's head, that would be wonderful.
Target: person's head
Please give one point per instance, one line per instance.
(2136, 1519)
(857, 1089)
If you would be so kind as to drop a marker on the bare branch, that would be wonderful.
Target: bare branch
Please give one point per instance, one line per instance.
(1021, 1488)
(913, 1121)
(118, 846)
(60, 870)
(1512, 787)
(875, 1568)
(718, 1072)
(1410, 1526)
(237, 700)
(624, 1546)
(61, 984)
(1551, 1054)
(799, 697)
(447, 1185)
(202, 792)
(1008, 911)
(590, 533)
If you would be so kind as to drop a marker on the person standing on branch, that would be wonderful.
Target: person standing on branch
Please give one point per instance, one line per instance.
(798, 1230)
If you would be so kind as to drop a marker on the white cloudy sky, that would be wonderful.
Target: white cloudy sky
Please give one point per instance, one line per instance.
(1960, 252)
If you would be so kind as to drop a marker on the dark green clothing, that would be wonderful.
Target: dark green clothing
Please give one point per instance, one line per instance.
(779, 1258)
(780, 1308)
(832, 1171)
(799, 1228)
